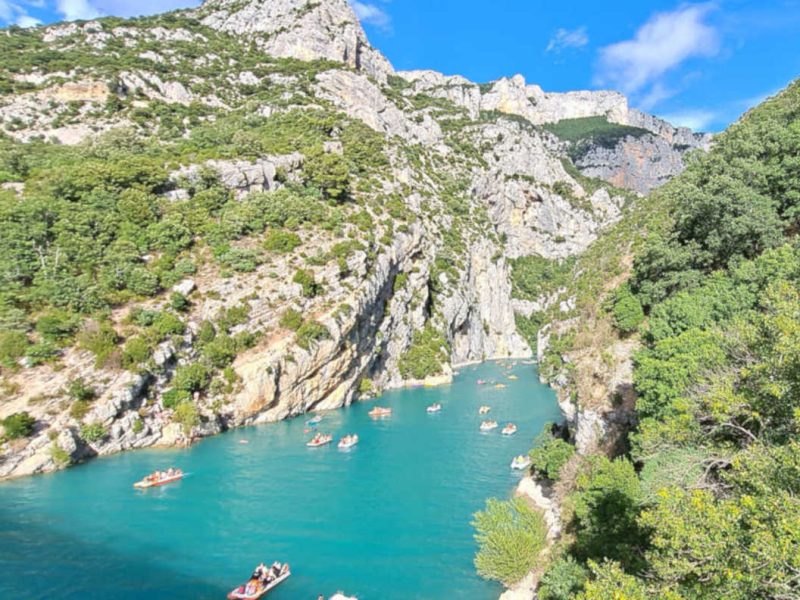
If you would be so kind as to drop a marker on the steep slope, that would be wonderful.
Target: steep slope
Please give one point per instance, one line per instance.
(227, 234)
(678, 359)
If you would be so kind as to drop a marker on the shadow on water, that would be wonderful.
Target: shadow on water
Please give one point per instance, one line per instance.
(78, 568)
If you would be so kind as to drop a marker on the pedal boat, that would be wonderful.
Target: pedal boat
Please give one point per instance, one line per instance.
(346, 444)
(484, 410)
(379, 412)
(434, 408)
(320, 440)
(509, 429)
(240, 593)
(488, 425)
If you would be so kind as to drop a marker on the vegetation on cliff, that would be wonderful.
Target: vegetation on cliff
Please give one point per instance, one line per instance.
(704, 504)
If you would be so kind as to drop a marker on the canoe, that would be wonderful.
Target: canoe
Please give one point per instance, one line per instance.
(238, 593)
(144, 484)
(325, 439)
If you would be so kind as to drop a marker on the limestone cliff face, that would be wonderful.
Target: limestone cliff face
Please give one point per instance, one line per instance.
(301, 29)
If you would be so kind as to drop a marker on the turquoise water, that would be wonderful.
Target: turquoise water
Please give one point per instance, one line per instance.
(387, 519)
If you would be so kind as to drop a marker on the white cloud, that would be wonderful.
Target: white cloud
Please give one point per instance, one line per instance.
(664, 42)
(698, 120)
(28, 21)
(565, 39)
(73, 10)
(371, 14)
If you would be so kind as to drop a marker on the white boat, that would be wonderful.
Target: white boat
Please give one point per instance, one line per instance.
(509, 429)
(314, 420)
(320, 440)
(158, 480)
(434, 408)
(484, 410)
(379, 412)
(253, 590)
(521, 462)
(348, 442)
(488, 425)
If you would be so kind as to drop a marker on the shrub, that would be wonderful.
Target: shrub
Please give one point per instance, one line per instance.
(94, 432)
(101, 340)
(186, 415)
(291, 319)
(135, 352)
(365, 386)
(206, 333)
(627, 310)
(60, 456)
(510, 535)
(166, 324)
(281, 241)
(562, 580)
(306, 280)
(174, 397)
(311, 332)
(78, 389)
(549, 455)
(235, 315)
(193, 377)
(40, 353)
(18, 425)
(57, 325)
(241, 260)
(179, 302)
(221, 351)
(13, 345)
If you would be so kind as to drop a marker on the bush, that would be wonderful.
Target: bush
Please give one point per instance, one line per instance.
(172, 398)
(57, 325)
(562, 580)
(221, 351)
(241, 260)
(135, 352)
(186, 415)
(306, 280)
(311, 332)
(235, 315)
(40, 353)
(166, 324)
(627, 310)
(179, 302)
(101, 340)
(281, 241)
(13, 345)
(510, 535)
(79, 409)
(18, 425)
(193, 377)
(549, 455)
(291, 319)
(78, 389)
(94, 432)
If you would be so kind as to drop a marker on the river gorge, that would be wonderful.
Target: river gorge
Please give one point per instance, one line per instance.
(388, 519)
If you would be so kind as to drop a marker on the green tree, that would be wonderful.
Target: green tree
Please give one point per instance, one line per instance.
(510, 536)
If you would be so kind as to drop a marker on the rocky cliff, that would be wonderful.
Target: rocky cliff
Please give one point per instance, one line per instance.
(394, 204)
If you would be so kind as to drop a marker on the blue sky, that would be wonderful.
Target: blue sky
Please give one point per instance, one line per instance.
(697, 64)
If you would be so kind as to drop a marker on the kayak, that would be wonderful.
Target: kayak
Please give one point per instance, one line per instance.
(321, 441)
(144, 483)
(345, 444)
(520, 463)
(240, 593)
(509, 429)
(488, 425)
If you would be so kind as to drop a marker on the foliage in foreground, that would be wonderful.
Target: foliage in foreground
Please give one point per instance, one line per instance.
(510, 535)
